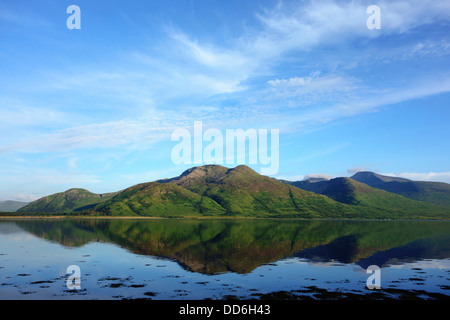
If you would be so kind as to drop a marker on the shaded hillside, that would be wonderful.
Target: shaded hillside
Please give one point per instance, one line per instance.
(432, 192)
(349, 191)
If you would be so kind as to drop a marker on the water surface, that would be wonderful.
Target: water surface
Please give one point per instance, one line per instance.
(223, 259)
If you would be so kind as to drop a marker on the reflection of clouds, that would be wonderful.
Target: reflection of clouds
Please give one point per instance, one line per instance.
(9, 228)
(21, 237)
(359, 269)
(323, 263)
(17, 237)
(424, 264)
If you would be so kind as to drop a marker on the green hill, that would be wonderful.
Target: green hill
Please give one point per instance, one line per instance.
(158, 200)
(65, 202)
(432, 192)
(352, 192)
(213, 190)
(217, 191)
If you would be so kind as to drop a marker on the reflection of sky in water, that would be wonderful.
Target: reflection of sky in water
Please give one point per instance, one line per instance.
(31, 268)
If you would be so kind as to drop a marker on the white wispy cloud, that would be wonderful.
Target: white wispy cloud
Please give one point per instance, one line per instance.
(16, 113)
(324, 22)
(304, 91)
(31, 183)
(145, 92)
(428, 48)
(318, 176)
(371, 102)
(423, 176)
(357, 169)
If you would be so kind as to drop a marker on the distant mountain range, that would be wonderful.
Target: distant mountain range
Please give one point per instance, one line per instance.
(11, 206)
(432, 192)
(217, 191)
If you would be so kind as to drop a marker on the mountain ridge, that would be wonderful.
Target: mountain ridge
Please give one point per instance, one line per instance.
(218, 191)
(427, 191)
(11, 205)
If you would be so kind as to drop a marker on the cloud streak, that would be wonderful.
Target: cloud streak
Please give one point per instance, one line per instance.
(298, 66)
(423, 176)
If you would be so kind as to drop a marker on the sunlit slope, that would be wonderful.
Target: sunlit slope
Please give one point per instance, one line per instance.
(158, 200)
(65, 202)
(218, 191)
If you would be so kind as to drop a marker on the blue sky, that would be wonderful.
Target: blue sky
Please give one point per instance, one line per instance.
(95, 108)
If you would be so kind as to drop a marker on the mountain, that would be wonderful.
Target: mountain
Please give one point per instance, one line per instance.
(214, 190)
(431, 192)
(350, 191)
(217, 191)
(343, 190)
(11, 206)
(158, 200)
(65, 202)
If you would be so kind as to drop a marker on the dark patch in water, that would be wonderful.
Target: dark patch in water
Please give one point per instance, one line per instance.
(108, 279)
(28, 292)
(42, 281)
(324, 294)
(230, 297)
(416, 279)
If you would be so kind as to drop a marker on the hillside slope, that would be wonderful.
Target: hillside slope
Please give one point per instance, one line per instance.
(352, 192)
(67, 201)
(214, 190)
(431, 192)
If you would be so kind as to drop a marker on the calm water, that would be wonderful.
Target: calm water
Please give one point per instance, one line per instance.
(223, 259)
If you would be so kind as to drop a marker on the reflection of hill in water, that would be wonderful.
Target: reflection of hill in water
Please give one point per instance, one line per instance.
(216, 246)
(343, 249)
(432, 248)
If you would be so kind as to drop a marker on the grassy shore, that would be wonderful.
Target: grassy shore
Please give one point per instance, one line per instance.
(72, 217)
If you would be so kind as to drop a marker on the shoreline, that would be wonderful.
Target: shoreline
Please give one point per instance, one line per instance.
(75, 217)
(57, 217)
